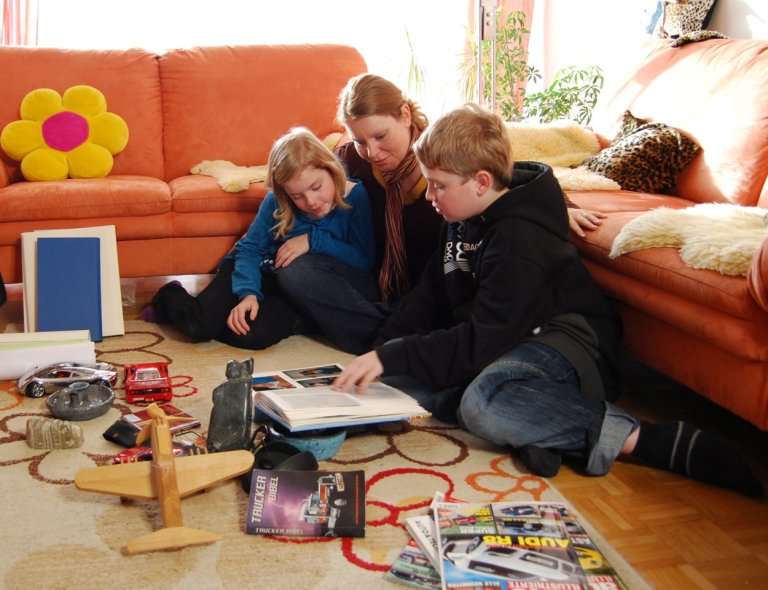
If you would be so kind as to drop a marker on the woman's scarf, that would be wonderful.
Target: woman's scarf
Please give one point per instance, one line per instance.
(393, 277)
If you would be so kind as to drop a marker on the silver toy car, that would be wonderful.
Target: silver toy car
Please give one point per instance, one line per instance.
(41, 380)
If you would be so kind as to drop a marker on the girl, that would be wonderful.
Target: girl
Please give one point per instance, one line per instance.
(312, 210)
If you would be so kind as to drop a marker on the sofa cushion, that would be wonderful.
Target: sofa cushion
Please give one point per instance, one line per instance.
(83, 199)
(231, 103)
(128, 79)
(645, 156)
(715, 92)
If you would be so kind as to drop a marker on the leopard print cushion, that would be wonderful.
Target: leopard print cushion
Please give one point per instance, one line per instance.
(680, 17)
(645, 156)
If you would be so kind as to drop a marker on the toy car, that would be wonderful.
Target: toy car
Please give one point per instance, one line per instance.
(142, 453)
(41, 380)
(147, 382)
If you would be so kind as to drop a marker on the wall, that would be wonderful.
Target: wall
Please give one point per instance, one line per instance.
(437, 29)
(604, 32)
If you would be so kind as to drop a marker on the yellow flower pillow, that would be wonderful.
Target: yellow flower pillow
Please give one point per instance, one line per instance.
(65, 136)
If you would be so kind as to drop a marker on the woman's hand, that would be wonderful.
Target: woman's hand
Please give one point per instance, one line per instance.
(359, 373)
(291, 250)
(241, 313)
(581, 219)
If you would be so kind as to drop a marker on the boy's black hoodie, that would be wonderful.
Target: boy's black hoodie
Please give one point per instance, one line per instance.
(497, 279)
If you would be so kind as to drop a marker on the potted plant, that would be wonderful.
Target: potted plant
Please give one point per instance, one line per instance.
(572, 94)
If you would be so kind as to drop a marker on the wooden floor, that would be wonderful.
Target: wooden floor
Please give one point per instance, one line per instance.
(677, 533)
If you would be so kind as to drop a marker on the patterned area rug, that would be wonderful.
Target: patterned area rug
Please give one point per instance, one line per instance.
(56, 536)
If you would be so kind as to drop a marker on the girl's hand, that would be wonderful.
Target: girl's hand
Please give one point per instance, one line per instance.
(359, 373)
(291, 250)
(581, 219)
(241, 313)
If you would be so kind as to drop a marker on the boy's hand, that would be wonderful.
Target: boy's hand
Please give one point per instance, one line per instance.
(581, 219)
(291, 250)
(359, 373)
(241, 313)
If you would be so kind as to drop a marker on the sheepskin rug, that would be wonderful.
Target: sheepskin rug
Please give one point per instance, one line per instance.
(715, 236)
(233, 178)
(563, 145)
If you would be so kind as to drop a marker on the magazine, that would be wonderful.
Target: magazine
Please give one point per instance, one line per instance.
(413, 569)
(505, 546)
(599, 572)
(306, 503)
(302, 399)
(141, 418)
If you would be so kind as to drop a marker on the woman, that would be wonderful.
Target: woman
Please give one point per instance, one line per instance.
(383, 124)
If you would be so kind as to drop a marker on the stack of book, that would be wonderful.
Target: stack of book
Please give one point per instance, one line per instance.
(71, 281)
(501, 545)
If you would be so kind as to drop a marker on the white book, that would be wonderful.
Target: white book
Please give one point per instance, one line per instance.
(20, 352)
(422, 530)
(111, 298)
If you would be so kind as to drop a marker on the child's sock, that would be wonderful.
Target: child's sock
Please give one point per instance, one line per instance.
(153, 311)
(541, 462)
(684, 449)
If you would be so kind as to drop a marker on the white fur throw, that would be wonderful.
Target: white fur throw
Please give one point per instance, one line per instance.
(583, 179)
(717, 236)
(561, 144)
(233, 178)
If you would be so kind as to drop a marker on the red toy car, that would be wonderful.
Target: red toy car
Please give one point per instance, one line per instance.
(147, 382)
(142, 453)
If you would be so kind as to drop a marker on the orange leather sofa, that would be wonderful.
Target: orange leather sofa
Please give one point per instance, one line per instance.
(181, 107)
(706, 330)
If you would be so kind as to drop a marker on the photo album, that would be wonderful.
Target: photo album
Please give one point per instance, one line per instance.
(302, 399)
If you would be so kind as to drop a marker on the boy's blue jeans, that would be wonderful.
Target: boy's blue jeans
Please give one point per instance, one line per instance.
(531, 396)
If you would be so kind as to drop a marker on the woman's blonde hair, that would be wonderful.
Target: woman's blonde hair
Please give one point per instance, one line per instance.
(369, 94)
(290, 155)
(466, 140)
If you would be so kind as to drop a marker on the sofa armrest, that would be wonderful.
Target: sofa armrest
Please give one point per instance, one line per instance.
(757, 275)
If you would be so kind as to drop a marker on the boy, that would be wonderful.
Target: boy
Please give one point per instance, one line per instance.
(506, 331)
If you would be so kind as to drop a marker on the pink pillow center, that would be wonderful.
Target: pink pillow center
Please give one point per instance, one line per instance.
(65, 131)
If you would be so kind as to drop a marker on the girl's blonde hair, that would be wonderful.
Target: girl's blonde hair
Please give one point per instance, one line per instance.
(290, 155)
(369, 94)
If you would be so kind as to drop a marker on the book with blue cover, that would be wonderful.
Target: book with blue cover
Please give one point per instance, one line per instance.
(69, 285)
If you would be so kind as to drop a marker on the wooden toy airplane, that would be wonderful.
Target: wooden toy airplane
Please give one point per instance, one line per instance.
(168, 479)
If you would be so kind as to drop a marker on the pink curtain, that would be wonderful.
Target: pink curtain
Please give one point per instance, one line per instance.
(507, 6)
(19, 22)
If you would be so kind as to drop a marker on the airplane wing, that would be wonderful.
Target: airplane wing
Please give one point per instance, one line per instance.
(197, 472)
(193, 473)
(129, 480)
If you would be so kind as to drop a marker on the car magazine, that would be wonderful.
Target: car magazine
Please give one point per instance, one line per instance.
(506, 546)
(600, 573)
(306, 503)
(413, 569)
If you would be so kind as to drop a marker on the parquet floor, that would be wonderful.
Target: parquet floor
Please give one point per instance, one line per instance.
(678, 533)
